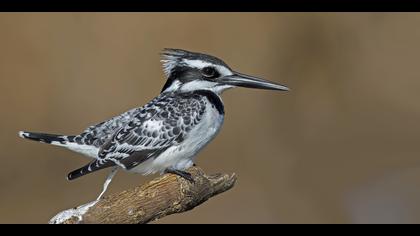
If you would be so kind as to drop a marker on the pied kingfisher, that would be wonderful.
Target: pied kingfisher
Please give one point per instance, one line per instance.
(165, 135)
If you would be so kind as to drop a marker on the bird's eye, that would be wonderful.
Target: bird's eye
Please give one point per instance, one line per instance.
(209, 72)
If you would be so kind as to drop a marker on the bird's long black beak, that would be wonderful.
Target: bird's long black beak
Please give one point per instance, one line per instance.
(241, 80)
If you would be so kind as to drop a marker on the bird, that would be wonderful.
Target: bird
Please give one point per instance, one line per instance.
(166, 134)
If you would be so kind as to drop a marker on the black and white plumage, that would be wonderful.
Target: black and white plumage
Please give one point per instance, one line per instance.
(166, 134)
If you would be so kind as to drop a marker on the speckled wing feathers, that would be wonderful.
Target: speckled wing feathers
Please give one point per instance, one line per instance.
(159, 125)
(97, 135)
(148, 131)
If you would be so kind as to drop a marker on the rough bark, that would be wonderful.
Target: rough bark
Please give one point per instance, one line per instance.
(165, 195)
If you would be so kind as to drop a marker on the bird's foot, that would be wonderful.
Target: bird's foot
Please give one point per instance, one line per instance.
(181, 173)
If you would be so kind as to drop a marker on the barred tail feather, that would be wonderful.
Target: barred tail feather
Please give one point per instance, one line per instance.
(54, 139)
(89, 168)
(69, 142)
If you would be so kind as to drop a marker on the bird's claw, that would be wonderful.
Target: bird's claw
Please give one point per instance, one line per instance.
(182, 174)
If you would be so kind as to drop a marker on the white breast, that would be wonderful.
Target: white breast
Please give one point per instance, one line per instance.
(181, 157)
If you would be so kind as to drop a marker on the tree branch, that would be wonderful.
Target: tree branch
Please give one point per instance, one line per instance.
(158, 198)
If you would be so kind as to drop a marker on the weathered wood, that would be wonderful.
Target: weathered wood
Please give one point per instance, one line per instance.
(158, 198)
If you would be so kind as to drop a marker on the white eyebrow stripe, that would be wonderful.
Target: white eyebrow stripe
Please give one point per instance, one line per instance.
(199, 64)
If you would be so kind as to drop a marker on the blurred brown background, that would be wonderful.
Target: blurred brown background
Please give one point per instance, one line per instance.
(341, 147)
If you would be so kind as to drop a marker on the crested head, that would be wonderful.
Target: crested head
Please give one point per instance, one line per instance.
(188, 71)
(172, 58)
